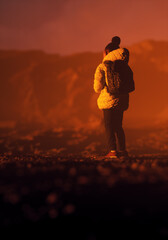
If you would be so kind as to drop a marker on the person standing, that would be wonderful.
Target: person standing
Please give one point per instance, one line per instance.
(113, 104)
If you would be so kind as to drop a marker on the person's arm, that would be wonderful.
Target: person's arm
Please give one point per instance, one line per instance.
(99, 79)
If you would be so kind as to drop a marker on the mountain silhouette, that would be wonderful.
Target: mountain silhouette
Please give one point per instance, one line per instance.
(43, 89)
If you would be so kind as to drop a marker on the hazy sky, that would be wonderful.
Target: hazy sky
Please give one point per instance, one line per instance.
(68, 26)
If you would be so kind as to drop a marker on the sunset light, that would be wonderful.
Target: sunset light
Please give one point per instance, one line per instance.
(84, 119)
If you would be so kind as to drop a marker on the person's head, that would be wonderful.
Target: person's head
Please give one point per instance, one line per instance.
(116, 41)
(113, 45)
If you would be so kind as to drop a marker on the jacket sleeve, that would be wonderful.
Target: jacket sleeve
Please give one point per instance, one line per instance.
(131, 83)
(99, 79)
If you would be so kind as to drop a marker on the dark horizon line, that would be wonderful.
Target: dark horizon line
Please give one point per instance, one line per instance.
(75, 53)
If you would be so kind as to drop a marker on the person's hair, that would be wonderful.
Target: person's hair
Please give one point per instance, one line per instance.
(113, 45)
(116, 41)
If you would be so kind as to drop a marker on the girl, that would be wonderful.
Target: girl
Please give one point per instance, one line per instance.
(112, 106)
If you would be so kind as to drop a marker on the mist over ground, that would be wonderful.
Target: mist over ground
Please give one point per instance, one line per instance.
(48, 94)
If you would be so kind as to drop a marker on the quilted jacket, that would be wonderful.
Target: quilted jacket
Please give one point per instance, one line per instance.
(105, 99)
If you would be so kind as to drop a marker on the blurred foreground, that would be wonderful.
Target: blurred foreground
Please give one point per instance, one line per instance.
(55, 181)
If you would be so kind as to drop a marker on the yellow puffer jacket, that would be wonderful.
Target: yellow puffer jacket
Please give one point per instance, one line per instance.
(105, 99)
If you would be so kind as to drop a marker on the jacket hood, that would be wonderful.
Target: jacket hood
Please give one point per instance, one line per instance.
(118, 54)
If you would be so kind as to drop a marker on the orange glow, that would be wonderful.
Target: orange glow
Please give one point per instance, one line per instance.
(68, 27)
(58, 91)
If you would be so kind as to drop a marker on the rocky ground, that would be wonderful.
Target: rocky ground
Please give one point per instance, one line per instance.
(87, 193)
(81, 195)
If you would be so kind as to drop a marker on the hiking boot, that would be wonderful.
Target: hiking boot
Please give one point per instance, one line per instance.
(112, 154)
(123, 155)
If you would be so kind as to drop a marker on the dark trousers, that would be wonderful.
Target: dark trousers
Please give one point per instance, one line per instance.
(113, 127)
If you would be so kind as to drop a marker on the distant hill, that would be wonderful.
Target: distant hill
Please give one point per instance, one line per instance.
(57, 91)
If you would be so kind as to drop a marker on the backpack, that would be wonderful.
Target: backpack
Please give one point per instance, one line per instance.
(119, 77)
